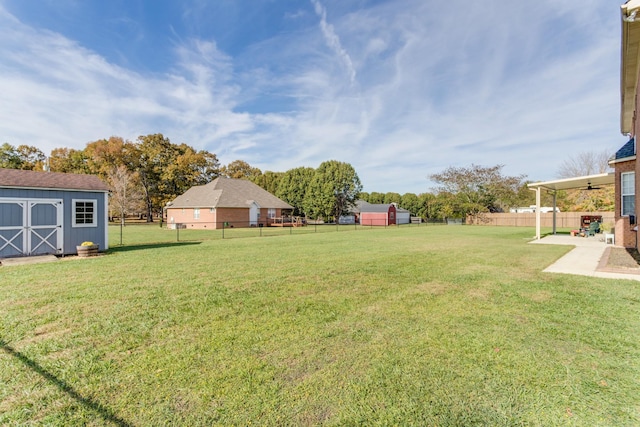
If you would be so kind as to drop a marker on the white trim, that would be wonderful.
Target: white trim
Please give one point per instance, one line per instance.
(623, 159)
(73, 213)
(623, 194)
(28, 230)
(106, 221)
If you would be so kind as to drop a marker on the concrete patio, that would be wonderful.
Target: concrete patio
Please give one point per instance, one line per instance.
(588, 258)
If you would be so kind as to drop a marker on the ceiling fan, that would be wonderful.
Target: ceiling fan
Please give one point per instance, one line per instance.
(590, 187)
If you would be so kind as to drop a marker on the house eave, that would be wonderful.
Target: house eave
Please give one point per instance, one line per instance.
(630, 50)
(624, 159)
(83, 190)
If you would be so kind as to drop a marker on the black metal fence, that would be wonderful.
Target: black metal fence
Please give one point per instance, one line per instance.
(144, 233)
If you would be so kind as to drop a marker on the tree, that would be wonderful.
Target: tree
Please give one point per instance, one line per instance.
(69, 160)
(9, 158)
(428, 206)
(376, 198)
(155, 153)
(293, 187)
(476, 189)
(270, 181)
(410, 202)
(23, 157)
(126, 192)
(239, 169)
(392, 198)
(105, 155)
(334, 189)
(167, 170)
(584, 163)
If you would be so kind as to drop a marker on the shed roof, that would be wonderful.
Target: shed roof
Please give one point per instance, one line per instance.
(227, 193)
(16, 178)
(362, 206)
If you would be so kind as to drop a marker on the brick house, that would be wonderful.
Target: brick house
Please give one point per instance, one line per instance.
(624, 162)
(624, 165)
(225, 202)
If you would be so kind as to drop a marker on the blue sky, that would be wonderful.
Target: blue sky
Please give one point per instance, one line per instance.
(400, 89)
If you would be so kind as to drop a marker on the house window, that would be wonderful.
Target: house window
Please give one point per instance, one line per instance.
(628, 193)
(196, 213)
(271, 213)
(84, 213)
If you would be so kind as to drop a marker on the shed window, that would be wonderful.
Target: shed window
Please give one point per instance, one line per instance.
(628, 193)
(84, 213)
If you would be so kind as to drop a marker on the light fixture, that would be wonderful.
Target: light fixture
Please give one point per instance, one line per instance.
(631, 17)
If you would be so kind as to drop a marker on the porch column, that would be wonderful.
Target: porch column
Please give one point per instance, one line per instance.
(537, 190)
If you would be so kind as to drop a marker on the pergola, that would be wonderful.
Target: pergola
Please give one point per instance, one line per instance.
(566, 184)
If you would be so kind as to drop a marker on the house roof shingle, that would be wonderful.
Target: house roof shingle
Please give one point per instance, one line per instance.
(16, 178)
(228, 193)
(627, 150)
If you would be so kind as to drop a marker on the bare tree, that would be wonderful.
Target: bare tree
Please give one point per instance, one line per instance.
(585, 163)
(126, 192)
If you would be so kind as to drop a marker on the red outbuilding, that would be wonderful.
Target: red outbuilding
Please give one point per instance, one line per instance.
(377, 214)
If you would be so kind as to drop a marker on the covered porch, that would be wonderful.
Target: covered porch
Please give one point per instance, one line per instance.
(581, 182)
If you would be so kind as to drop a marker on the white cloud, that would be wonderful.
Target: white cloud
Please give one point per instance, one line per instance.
(437, 84)
(332, 39)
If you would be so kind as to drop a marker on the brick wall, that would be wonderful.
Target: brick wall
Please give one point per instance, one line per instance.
(625, 236)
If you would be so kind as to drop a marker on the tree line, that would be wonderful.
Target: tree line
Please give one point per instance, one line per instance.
(147, 173)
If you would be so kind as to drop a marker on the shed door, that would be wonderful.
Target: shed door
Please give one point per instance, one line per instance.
(30, 227)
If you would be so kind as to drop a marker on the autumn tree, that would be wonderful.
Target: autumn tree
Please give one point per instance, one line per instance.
(21, 157)
(584, 164)
(476, 189)
(105, 155)
(167, 170)
(239, 169)
(334, 189)
(69, 160)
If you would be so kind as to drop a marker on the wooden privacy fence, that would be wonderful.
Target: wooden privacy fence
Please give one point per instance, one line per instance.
(563, 219)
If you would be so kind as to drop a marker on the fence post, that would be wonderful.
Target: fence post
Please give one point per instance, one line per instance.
(223, 230)
(177, 232)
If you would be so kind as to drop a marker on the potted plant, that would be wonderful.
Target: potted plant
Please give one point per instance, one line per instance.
(87, 249)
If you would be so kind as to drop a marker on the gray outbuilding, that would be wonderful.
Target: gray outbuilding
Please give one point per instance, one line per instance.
(51, 213)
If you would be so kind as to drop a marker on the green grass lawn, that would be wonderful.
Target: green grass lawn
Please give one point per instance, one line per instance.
(436, 325)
